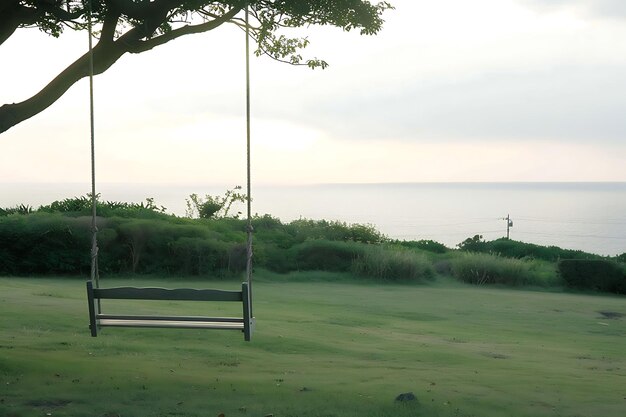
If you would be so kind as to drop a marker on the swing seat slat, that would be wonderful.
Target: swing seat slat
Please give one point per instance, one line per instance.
(182, 294)
(177, 324)
(170, 318)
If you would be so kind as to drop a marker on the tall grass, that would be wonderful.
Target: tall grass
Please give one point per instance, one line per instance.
(393, 264)
(482, 268)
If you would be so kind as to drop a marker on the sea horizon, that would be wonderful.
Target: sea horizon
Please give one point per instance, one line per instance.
(585, 215)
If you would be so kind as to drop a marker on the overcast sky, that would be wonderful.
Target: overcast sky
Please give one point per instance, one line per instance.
(453, 90)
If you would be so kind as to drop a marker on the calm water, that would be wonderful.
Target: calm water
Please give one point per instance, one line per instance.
(586, 216)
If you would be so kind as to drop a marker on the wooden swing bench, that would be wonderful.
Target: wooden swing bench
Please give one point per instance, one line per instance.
(97, 320)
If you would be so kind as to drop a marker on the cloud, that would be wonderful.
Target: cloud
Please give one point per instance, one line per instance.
(537, 77)
(568, 103)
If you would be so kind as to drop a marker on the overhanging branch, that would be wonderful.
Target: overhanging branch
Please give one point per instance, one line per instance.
(142, 46)
(146, 24)
(105, 54)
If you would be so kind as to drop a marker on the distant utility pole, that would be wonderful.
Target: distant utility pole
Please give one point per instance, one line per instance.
(509, 224)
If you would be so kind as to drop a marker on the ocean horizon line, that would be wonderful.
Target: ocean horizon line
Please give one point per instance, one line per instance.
(314, 184)
(588, 216)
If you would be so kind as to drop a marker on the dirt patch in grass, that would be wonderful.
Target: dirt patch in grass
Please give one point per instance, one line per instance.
(611, 315)
(494, 355)
(49, 403)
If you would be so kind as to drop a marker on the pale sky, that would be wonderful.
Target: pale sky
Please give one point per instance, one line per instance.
(453, 90)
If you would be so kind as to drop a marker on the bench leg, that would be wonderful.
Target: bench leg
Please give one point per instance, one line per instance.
(93, 307)
(247, 320)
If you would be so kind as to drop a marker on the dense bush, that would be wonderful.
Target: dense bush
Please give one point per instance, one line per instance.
(304, 229)
(269, 256)
(393, 264)
(81, 206)
(597, 275)
(515, 249)
(42, 244)
(69, 205)
(51, 243)
(481, 269)
(21, 209)
(326, 255)
(181, 247)
(197, 256)
(140, 238)
(473, 244)
(57, 240)
(427, 245)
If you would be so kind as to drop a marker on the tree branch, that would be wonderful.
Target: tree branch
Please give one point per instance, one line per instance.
(149, 23)
(108, 27)
(14, 15)
(142, 46)
(105, 54)
(142, 11)
(7, 4)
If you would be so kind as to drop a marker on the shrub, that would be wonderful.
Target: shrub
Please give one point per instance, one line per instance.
(326, 255)
(20, 209)
(214, 206)
(427, 245)
(515, 249)
(597, 275)
(197, 256)
(237, 258)
(270, 231)
(266, 222)
(478, 269)
(473, 244)
(227, 229)
(43, 244)
(69, 205)
(395, 264)
(166, 246)
(304, 229)
(443, 267)
(274, 258)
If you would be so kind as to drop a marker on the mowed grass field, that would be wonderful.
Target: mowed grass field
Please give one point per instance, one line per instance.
(320, 349)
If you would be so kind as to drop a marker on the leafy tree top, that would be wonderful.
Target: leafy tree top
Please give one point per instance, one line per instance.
(135, 26)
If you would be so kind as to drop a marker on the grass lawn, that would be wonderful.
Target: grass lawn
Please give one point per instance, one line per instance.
(320, 349)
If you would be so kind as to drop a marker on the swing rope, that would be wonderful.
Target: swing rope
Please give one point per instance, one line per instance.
(95, 275)
(249, 228)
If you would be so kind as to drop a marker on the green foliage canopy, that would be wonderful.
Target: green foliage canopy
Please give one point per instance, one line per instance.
(137, 26)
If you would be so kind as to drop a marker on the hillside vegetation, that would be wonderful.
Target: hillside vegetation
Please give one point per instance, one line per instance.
(142, 239)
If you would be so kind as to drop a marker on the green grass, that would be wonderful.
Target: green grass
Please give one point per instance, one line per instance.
(321, 349)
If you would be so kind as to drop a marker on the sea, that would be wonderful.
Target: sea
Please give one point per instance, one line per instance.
(575, 215)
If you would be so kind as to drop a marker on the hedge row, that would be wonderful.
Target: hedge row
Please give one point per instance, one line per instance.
(55, 243)
(596, 275)
(59, 243)
(514, 249)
